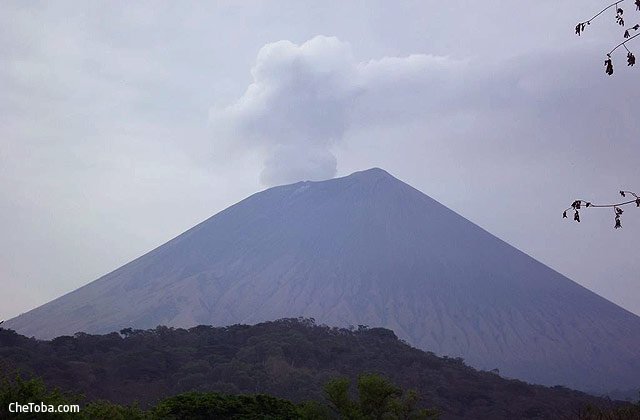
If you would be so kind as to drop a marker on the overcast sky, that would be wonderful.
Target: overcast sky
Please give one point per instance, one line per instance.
(122, 124)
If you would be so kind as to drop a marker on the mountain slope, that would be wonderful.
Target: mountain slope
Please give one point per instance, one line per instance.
(365, 249)
(288, 358)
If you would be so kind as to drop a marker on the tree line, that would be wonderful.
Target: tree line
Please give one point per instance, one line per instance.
(292, 359)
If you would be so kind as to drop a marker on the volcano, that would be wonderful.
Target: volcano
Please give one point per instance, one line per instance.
(365, 249)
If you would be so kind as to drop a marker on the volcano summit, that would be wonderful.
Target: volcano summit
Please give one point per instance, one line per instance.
(365, 249)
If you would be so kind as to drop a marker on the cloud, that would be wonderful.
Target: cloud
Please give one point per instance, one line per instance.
(305, 97)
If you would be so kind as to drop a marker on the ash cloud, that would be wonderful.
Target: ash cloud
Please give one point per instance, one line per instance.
(304, 98)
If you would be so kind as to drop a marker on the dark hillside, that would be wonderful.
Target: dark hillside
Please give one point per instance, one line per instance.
(288, 358)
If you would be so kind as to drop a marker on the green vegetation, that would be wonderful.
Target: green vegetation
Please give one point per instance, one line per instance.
(292, 359)
(14, 389)
(631, 412)
(378, 399)
(196, 406)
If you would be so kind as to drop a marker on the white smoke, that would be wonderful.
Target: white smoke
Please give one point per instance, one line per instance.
(304, 97)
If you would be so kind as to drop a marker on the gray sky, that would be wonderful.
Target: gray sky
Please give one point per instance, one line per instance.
(122, 125)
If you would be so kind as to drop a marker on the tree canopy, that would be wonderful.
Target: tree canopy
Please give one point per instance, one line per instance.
(291, 359)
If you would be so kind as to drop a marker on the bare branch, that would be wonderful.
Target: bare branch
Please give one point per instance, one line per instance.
(621, 44)
(617, 210)
(602, 11)
(631, 59)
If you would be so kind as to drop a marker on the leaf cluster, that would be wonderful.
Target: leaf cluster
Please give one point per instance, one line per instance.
(619, 19)
(617, 210)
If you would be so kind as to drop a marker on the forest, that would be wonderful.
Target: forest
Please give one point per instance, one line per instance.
(289, 365)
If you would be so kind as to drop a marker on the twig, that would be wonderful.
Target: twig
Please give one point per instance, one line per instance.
(602, 11)
(589, 204)
(577, 205)
(622, 43)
